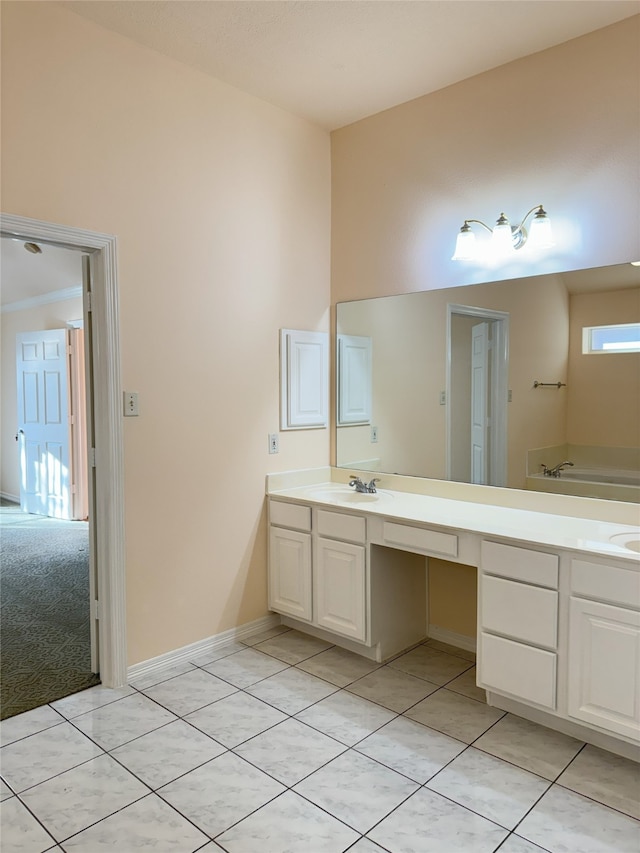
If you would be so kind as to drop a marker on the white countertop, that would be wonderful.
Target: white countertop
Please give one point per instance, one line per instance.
(526, 525)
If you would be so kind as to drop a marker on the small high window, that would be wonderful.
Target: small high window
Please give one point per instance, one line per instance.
(623, 337)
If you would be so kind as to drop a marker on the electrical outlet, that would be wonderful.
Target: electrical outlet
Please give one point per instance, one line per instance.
(374, 434)
(274, 444)
(130, 404)
(509, 395)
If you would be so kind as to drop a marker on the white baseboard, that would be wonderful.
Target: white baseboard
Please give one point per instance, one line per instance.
(202, 647)
(461, 641)
(8, 497)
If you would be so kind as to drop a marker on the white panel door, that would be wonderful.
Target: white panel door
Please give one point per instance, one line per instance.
(290, 573)
(354, 379)
(479, 398)
(42, 368)
(339, 588)
(304, 379)
(604, 666)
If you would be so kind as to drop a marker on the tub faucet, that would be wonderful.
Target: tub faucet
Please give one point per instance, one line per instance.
(556, 470)
(363, 488)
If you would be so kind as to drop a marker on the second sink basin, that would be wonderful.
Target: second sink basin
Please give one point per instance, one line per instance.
(631, 541)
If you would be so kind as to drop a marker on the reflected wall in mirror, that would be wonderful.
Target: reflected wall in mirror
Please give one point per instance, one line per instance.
(437, 409)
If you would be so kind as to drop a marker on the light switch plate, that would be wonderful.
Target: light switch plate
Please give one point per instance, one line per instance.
(130, 404)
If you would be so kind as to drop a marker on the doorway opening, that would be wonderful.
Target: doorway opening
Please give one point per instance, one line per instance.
(103, 458)
(477, 394)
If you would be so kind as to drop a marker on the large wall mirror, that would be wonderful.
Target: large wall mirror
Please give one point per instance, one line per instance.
(486, 383)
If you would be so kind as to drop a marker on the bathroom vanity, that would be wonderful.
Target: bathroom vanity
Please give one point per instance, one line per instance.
(558, 622)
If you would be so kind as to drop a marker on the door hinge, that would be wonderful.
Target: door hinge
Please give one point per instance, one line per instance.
(95, 608)
(92, 457)
(88, 301)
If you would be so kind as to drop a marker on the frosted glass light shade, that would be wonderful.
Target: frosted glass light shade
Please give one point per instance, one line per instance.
(540, 232)
(465, 245)
(501, 239)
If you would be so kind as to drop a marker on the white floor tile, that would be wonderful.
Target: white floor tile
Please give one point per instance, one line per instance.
(356, 790)
(30, 761)
(345, 717)
(5, 791)
(392, 688)
(161, 674)
(216, 654)
(254, 639)
(168, 752)
(515, 844)
(246, 668)
(293, 647)
(21, 832)
(78, 798)
(89, 700)
(288, 824)
(429, 823)
(411, 748)
(235, 719)
(186, 693)
(365, 845)
(149, 824)
(439, 646)
(490, 787)
(605, 777)
(466, 685)
(291, 690)
(529, 745)
(430, 664)
(290, 751)
(454, 715)
(564, 822)
(112, 725)
(220, 793)
(338, 666)
(23, 725)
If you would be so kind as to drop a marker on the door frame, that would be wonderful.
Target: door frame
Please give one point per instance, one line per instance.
(106, 396)
(499, 388)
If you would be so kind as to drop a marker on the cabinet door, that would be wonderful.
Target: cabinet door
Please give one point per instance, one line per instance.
(604, 666)
(290, 572)
(339, 588)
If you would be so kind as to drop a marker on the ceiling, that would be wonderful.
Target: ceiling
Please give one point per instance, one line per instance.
(334, 62)
(27, 276)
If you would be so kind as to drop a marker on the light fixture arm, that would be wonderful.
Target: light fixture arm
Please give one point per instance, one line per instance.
(541, 212)
(479, 222)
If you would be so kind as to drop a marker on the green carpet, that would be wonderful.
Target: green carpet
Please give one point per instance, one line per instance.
(44, 612)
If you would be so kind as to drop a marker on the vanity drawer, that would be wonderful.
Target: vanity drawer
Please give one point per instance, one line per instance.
(290, 515)
(523, 671)
(518, 610)
(420, 539)
(338, 525)
(521, 564)
(613, 584)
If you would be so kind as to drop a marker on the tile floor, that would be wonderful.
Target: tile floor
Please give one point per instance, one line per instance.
(285, 743)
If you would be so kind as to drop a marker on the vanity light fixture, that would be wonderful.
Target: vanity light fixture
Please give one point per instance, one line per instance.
(506, 238)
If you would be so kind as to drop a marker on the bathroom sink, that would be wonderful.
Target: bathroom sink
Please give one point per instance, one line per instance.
(346, 495)
(627, 540)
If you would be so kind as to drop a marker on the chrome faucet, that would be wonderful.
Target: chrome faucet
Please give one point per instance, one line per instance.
(556, 470)
(363, 488)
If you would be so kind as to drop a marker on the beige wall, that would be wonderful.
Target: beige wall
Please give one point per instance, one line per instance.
(604, 390)
(54, 315)
(221, 205)
(453, 597)
(559, 127)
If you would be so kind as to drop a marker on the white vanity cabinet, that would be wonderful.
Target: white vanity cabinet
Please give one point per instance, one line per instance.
(518, 622)
(604, 646)
(318, 577)
(290, 560)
